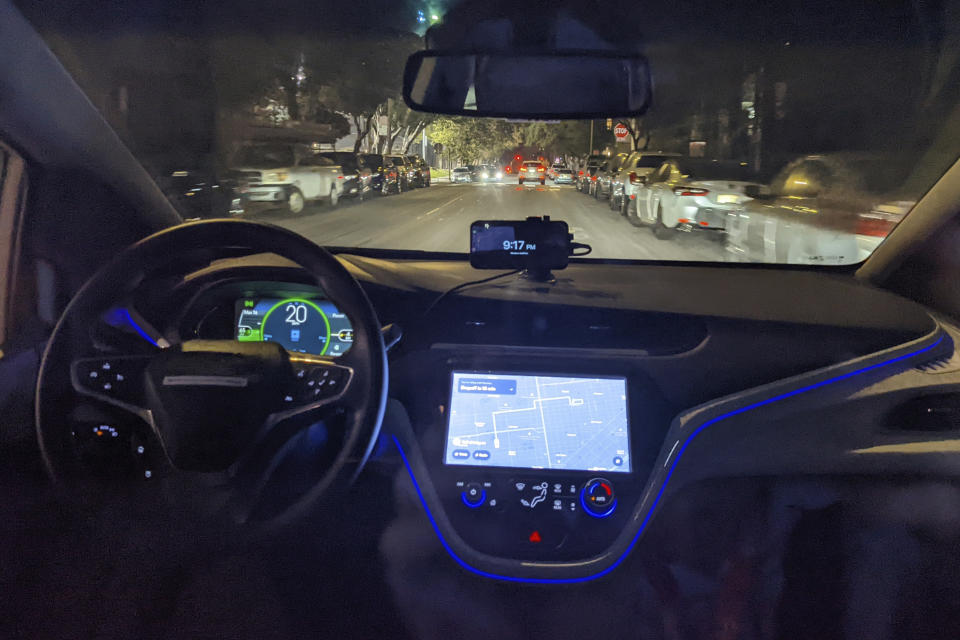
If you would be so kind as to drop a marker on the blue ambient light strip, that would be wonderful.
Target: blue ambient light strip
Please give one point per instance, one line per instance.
(656, 501)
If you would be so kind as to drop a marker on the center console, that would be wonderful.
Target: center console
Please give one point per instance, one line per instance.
(536, 467)
(534, 464)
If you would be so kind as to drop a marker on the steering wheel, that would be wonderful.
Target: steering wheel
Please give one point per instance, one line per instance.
(222, 411)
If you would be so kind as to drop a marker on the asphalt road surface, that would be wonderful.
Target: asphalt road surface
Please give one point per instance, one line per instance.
(438, 218)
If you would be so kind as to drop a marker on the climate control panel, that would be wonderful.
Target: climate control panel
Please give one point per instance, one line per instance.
(530, 516)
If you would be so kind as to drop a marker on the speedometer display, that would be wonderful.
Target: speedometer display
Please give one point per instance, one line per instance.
(302, 325)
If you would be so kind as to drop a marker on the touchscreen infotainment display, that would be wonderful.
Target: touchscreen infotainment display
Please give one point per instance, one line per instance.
(538, 422)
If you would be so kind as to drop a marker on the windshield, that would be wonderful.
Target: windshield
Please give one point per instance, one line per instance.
(811, 128)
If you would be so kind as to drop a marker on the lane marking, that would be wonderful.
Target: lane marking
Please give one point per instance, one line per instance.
(440, 207)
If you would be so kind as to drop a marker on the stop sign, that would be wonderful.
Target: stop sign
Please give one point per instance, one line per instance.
(620, 131)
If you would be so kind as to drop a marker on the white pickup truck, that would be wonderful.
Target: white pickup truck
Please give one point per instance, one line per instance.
(288, 175)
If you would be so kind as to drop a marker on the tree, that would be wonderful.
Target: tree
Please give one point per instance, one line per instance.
(566, 138)
(471, 140)
(406, 126)
(366, 73)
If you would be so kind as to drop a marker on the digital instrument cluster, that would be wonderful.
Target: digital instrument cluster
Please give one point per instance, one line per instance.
(300, 324)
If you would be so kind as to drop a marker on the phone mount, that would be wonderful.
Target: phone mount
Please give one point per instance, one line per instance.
(535, 246)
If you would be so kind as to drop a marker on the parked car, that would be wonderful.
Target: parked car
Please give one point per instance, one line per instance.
(199, 193)
(687, 195)
(588, 170)
(350, 166)
(633, 175)
(593, 176)
(286, 175)
(414, 171)
(608, 175)
(820, 209)
(563, 176)
(532, 171)
(398, 169)
(373, 174)
(461, 174)
(423, 171)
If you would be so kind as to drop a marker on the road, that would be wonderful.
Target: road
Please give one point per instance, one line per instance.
(438, 219)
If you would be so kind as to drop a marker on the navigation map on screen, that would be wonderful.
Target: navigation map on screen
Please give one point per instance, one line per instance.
(538, 422)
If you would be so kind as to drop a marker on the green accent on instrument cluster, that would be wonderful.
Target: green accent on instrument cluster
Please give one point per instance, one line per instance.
(301, 325)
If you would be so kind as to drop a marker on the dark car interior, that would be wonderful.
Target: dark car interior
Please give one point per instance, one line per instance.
(790, 468)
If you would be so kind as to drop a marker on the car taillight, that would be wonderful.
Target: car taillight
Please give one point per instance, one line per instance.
(632, 177)
(508, 170)
(874, 224)
(581, 173)
(594, 178)
(339, 177)
(540, 169)
(690, 191)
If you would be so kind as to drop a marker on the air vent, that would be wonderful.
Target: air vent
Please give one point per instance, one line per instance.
(943, 364)
(567, 326)
(937, 413)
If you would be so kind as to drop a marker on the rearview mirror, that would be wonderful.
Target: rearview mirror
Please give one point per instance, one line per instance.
(544, 86)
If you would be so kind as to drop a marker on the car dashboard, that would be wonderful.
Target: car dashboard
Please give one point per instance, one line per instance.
(641, 386)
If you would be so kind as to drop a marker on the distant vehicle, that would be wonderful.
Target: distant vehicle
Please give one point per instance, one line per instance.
(423, 171)
(461, 174)
(490, 173)
(607, 178)
(285, 174)
(475, 172)
(350, 165)
(684, 195)
(633, 176)
(398, 179)
(532, 171)
(554, 168)
(374, 174)
(415, 172)
(820, 209)
(593, 176)
(563, 176)
(587, 170)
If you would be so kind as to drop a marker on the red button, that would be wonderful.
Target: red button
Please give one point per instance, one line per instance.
(535, 537)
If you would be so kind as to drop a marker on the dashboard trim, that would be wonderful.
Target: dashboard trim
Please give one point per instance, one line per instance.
(608, 561)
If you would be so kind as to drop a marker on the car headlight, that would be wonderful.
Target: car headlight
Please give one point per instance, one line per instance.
(499, 174)
(276, 176)
(485, 175)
